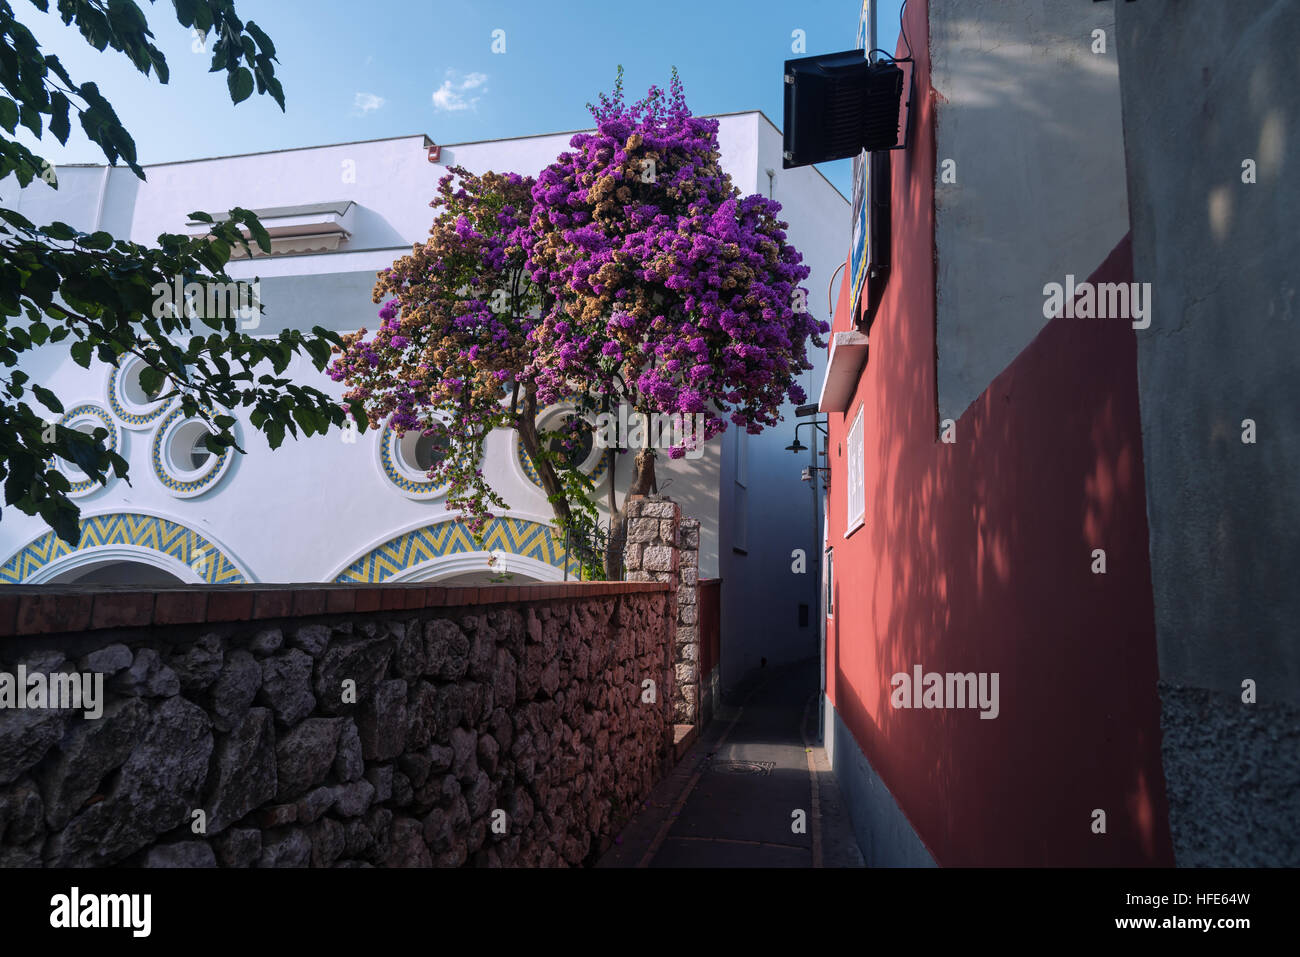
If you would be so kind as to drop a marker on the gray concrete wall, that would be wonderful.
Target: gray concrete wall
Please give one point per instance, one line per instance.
(1030, 116)
(883, 831)
(1207, 86)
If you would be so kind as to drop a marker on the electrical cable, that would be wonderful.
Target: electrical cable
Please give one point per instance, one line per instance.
(902, 30)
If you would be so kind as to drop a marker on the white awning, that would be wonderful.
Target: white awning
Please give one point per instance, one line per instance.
(847, 359)
(316, 227)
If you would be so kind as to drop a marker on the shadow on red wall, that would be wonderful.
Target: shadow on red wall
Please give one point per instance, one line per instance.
(978, 556)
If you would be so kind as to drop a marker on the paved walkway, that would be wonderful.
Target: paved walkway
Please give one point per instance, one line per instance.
(731, 800)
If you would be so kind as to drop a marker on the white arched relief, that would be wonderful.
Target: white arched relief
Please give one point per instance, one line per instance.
(462, 563)
(109, 554)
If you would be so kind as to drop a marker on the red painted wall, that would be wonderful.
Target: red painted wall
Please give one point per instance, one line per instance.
(976, 556)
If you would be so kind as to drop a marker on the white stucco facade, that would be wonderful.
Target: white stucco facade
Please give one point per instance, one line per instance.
(323, 509)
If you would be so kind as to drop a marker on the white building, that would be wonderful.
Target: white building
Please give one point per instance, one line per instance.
(323, 510)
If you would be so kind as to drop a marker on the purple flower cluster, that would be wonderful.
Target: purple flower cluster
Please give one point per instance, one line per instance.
(631, 271)
(669, 289)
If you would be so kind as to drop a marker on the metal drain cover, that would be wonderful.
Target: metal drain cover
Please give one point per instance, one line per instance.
(743, 767)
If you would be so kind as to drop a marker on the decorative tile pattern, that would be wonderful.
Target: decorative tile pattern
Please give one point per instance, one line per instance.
(127, 528)
(114, 444)
(514, 535)
(388, 440)
(132, 419)
(177, 486)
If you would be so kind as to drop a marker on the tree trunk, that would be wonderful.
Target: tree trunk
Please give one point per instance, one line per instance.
(643, 482)
(614, 541)
(526, 423)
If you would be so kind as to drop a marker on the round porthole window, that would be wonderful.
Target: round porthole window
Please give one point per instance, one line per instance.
(405, 461)
(87, 418)
(181, 461)
(134, 405)
(581, 447)
(421, 452)
(187, 451)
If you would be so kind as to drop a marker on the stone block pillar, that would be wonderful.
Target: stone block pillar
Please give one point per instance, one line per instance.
(687, 643)
(662, 546)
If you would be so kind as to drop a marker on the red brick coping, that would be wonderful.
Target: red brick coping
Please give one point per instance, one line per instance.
(33, 610)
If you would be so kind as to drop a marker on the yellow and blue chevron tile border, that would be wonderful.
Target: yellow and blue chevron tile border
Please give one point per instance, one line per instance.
(517, 536)
(128, 528)
(175, 485)
(133, 419)
(89, 410)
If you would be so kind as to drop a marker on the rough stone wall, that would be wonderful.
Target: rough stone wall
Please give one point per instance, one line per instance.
(491, 735)
(663, 547)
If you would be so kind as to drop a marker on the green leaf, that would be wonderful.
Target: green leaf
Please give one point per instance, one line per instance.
(320, 352)
(255, 228)
(81, 353)
(57, 481)
(151, 379)
(276, 90)
(64, 517)
(240, 83)
(202, 16)
(59, 125)
(48, 398)
(160, 65)
(30, 117)
(80, 449)
(263, 41)
(60, 232)
(8, 114)
(185, 11)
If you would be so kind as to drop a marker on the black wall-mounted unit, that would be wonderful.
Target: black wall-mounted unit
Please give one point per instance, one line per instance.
(837, 105)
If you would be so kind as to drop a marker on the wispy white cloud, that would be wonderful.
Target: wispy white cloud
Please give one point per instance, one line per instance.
(459, 92)
(367, 102)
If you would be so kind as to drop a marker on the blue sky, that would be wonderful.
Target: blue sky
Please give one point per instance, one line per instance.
(354, 71)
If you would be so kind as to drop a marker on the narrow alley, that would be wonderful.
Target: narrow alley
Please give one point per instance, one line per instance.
(755, 790)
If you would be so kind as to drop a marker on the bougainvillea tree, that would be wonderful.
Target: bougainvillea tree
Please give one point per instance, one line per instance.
(631, 274)
(668, 290)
